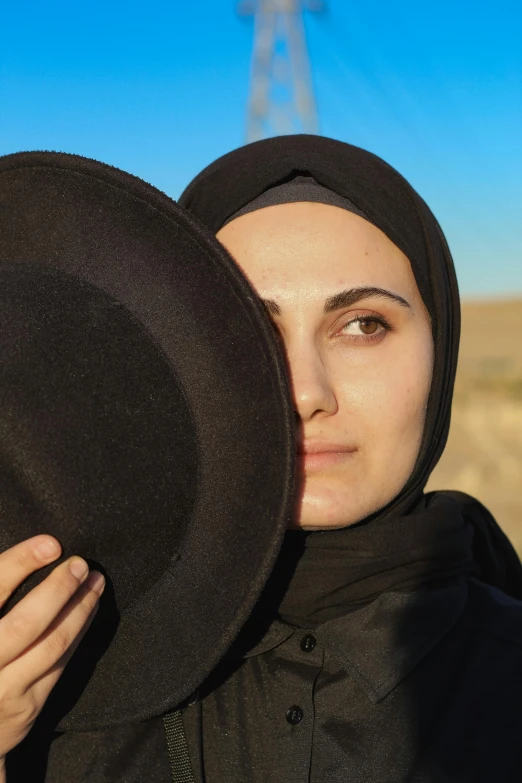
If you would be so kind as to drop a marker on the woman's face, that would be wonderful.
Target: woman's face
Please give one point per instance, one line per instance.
(358, 342)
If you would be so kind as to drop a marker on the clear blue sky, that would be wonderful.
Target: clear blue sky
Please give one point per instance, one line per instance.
(159, 89)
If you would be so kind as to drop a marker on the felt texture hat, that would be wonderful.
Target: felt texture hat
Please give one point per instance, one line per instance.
(145, 421)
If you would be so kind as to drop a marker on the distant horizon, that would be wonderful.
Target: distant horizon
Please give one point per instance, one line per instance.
(500, 298)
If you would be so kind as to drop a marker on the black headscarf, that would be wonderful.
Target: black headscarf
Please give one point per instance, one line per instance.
(416, 538)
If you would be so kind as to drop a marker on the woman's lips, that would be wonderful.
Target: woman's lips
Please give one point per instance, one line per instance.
(318, 457)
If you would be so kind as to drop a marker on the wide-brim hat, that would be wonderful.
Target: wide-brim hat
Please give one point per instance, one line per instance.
(145, 421)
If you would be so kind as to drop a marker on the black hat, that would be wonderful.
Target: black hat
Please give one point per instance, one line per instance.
(145, 421)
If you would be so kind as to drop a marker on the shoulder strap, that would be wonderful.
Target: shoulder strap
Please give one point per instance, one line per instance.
(180, 766)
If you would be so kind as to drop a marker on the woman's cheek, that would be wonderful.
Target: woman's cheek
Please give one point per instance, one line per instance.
(404, 404)
(391, 402)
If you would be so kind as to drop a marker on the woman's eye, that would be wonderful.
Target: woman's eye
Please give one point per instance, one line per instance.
(363, 327)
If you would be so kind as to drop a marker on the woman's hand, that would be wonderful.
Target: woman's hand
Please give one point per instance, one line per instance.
(40, 633)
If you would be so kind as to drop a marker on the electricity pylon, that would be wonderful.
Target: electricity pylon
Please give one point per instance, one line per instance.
(281, 97)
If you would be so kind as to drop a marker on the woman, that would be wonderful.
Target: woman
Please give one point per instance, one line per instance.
(387, 644)
(382, 649)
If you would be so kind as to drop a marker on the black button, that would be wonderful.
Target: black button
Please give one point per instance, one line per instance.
(294, 715)
(308, 643)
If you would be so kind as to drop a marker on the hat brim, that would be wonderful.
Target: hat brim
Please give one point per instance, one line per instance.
(122, 235)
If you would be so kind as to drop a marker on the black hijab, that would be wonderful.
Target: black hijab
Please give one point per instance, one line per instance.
(417, 538)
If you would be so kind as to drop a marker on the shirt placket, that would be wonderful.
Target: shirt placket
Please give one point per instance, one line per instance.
(297, 665)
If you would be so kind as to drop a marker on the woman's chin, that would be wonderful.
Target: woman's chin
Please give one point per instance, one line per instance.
(319, 513)
(325, 506)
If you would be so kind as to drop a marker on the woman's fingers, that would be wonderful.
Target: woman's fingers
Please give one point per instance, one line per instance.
(18, 562)
(85, 600)
(26, 683)
(40, 633)
(57, 644)
(35, 614)
(41, 665)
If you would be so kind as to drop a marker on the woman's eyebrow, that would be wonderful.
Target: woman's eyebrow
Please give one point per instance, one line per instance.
(354, 295)
(345, 299)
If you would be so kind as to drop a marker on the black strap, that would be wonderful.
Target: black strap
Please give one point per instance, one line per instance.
(180, 766)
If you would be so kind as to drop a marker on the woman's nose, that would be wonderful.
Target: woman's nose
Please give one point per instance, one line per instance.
(312, 389)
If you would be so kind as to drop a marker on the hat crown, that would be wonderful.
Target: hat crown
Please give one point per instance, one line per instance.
(96, 435)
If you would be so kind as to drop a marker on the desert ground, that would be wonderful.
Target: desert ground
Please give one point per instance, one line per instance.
(484, 452)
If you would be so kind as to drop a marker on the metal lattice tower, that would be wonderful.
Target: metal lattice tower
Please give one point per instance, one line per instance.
(281, 97)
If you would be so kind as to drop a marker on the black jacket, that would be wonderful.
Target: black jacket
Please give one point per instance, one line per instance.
(418, 687)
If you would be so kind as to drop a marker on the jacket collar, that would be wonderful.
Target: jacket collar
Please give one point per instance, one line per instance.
(382, 642)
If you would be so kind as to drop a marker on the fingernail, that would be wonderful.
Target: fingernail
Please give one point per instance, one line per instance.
(96, 581)
(47, 548)
(78, 567)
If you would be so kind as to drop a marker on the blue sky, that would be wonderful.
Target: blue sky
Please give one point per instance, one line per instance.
(160, 89)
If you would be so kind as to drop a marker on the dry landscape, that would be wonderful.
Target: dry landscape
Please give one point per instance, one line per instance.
(484, 451)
